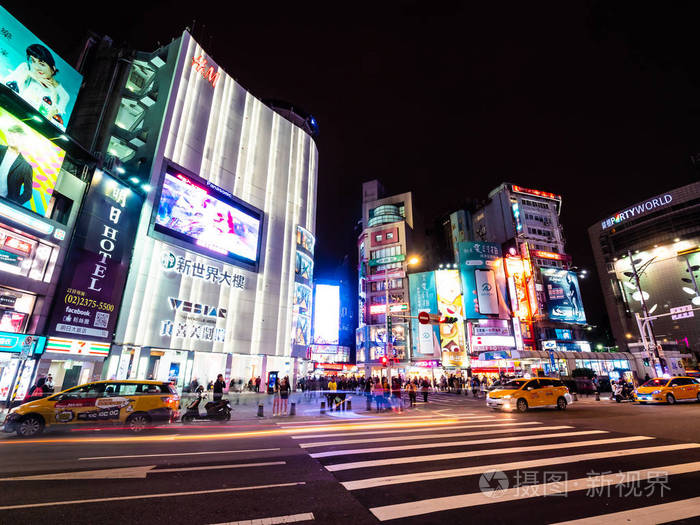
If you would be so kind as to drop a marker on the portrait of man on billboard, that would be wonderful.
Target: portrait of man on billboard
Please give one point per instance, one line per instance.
(15, 171)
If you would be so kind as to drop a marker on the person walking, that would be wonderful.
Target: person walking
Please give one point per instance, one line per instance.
(475, 387)
(425, 389)
(284, 390)
(411, 389)
(332, 392)
(218, 387)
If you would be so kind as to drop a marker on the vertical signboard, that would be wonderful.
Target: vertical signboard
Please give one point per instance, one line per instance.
(91, 286)
(423, 295)
(483, 280)
(563, 296)
(452, 336)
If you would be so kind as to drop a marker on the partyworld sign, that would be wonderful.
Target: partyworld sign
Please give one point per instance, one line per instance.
(638, 209)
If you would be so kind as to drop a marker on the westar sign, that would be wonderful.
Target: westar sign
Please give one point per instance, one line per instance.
(638, 209)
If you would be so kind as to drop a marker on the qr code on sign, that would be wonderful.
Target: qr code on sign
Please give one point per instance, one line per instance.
(101, 319)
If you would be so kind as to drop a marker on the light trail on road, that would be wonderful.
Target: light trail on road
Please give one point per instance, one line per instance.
(234, 435)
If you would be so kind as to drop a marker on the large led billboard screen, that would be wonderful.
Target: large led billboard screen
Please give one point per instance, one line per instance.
(37, 74)
(29, 165)
(207, 219)
(563, 296)
(326, 314)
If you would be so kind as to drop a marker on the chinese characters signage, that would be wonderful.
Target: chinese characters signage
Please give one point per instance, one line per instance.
(184, 266)
(90, 291)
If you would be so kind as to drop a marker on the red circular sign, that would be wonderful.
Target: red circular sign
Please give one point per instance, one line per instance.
(424, 317)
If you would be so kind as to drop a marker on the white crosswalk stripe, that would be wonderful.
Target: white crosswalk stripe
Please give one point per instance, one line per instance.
(389, 459)
(472, 442)
(427, 506)
(477, 453)
(435, 436)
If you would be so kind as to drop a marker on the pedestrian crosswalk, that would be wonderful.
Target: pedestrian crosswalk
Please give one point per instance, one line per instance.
(434, 472)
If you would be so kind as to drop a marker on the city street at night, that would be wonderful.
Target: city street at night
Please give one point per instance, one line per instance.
(408, 262)
(430, 464)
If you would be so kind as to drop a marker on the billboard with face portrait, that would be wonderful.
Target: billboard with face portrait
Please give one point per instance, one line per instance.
(29, 165)
(563, 296)
(35, 73)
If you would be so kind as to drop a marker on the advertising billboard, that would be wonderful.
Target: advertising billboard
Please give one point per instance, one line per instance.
(326, 314)
(423, 296)
(563, 296)
(483, 280)
(91, 286)
(35, 73)
(29, 165)
(207, 219)
(517, 271)
(452, 336)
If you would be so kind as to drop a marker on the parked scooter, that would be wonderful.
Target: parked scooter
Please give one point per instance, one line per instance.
(215, 410)
(622, 393)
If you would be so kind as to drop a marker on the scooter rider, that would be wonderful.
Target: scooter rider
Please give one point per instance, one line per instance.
(219, 387)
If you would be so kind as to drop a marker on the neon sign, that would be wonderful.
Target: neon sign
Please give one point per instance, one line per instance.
(638, 209)
(200, 66)
(549, 255)
(537, 193)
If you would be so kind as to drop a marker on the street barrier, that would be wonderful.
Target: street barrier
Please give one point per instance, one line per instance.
(323, 407)
(261, 407)
(293, 409)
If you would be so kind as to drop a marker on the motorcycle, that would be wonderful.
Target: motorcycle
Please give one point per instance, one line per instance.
(214, 410)
(622, 393)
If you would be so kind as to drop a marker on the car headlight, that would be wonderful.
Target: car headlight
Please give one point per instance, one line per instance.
(507, 397)
(656, 392)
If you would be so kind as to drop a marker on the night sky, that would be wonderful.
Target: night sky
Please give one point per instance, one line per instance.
(596, 101)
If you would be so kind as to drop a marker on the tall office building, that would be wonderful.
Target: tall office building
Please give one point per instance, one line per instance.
(383, 249)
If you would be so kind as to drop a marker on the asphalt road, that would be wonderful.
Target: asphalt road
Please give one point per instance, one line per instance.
(450, 461)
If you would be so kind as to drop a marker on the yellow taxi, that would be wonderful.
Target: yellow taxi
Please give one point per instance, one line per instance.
(523, 394)
(668, 390)
(134, 403)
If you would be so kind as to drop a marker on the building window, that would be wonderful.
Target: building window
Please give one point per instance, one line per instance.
(378, 237)
(389, 235)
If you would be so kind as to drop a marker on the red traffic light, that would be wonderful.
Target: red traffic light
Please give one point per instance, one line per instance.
(384, 360)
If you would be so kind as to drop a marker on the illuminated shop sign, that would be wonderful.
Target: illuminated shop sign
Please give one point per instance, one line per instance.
(91, 287)
(427, 364)
(198, 215)
(550, 255)
(390, 259)
(376, 309)
(35, 73)
(493, 340)
(194, 321)
(537, 193)
(184, 266)
(17, 343)
(77, 346)
(638, 209)
(200, 63)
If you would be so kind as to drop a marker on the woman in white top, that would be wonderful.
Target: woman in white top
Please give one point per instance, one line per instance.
(35, 81)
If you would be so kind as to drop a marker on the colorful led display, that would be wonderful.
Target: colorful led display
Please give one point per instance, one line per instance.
(449, 302)
(423, 297)
(204, 217)
(326, 314)
(563, 296)
(29, 165)
(35, 73)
